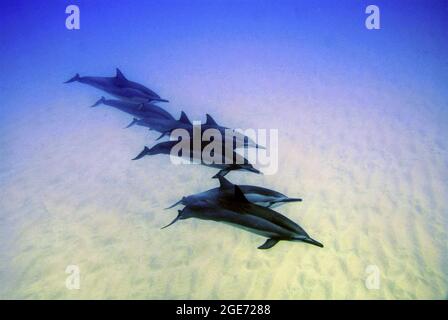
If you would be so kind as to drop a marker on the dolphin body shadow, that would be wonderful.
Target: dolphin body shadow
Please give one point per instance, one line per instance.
(235, 209)
(120, 87)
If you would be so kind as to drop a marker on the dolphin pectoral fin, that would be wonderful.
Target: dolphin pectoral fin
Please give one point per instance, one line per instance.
(133, 122)
(175, 219)
(142, 154)
(102, 99)
(268, 244)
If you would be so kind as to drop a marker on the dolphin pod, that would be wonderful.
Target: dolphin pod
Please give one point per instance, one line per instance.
(230, 205)
(244, 206)
(167, 126)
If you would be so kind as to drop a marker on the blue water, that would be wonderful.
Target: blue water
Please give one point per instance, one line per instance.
(361, 115)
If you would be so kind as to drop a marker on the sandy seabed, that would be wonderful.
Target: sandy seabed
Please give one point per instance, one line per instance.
(374, 185)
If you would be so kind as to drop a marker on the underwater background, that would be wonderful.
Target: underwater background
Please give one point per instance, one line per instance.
(362, 118)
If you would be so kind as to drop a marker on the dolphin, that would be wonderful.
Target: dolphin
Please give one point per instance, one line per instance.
(258, 195)
(167, 126)
(239, 212)
(210, 123)
(225, 166)
(240, 139)
(163, 125)
(144, 110)
(120, 87)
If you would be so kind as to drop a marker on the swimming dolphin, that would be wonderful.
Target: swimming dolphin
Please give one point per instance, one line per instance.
(224, 166)
(144, 110)
(120, 87)
(239, 212)
(210, 123)
(258, 195)
(163, 125)
(240, 139)
(166, 127)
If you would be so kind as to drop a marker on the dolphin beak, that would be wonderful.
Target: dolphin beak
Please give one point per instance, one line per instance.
(252, 169)
(292, 200)
(313, 242)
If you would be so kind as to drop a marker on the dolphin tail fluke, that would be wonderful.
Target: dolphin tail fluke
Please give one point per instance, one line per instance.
(133, 122)
(75, 78)
(268, 244)
(177, 203)
(142, 154)
(175, 219)
(313, 242)
(98, 102)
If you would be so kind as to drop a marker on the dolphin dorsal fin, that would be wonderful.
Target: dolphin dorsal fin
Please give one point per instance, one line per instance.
(184, 119)
(239, 195)
(210, 121)
(224, 183)
(120, 76)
